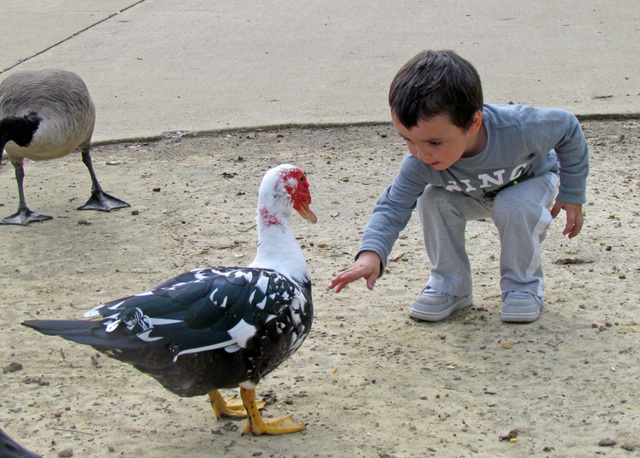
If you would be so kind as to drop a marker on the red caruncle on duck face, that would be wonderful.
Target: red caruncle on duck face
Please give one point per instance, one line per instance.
(297, 186)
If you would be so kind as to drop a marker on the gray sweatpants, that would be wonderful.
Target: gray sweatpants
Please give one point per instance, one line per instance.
(521, 214)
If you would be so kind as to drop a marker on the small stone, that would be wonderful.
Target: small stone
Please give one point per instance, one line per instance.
(66, 452)
(607, 442)
(12, 367)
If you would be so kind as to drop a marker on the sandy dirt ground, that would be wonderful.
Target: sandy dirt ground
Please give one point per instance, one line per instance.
(368, 381)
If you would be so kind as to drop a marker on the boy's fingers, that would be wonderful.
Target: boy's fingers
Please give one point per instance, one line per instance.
(354, 273)
(575, 229)
(570, 223)
(343, 279)
(574, 224)
(338, 283)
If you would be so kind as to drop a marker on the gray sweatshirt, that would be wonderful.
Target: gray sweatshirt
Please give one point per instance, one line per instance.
(522, 142)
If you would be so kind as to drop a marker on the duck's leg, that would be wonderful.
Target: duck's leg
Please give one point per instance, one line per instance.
(232, 407)
(257, 425)
(99, 199)
(23, 216)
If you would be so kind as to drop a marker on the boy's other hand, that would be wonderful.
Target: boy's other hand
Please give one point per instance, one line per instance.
(574, 217)
(367, 266)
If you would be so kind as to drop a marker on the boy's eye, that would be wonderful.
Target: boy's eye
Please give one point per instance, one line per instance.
(435, 143)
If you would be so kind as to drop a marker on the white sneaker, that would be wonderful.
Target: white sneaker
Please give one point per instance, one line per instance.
(432, 305)
(520, 307)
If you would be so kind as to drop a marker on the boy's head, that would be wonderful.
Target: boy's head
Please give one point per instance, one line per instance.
(435, 83)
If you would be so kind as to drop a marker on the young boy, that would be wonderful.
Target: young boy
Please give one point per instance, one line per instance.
(468, 160)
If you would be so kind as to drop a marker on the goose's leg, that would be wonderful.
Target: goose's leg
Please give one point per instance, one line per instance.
(232, 407)
(23, 216)
(257, 425)
(99, 199)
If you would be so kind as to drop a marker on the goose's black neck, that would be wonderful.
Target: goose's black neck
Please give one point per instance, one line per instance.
(19, 129)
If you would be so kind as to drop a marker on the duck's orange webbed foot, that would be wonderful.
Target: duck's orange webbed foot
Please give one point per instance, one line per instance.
(258, 426)
(232, 407)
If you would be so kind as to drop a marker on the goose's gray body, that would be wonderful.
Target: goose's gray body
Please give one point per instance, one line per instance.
(47, 114)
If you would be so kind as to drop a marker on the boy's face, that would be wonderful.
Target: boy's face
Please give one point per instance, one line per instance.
(439, 143)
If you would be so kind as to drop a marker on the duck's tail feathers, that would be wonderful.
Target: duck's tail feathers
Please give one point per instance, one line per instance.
(79, 331)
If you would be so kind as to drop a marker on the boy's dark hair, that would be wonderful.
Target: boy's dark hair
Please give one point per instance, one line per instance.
(435, 83)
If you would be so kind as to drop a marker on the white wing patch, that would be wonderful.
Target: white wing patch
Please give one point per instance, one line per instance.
(144, 336)
(95, 310)
(161, 321)
(262, 284)
(242, 332)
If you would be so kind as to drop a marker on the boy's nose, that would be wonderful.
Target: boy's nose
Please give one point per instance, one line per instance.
(423, 155)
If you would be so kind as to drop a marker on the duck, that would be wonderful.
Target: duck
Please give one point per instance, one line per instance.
(217, 327)
(47, 114)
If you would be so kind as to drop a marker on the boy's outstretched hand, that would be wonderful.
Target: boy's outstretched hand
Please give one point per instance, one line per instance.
(574, 217)
(367, 266)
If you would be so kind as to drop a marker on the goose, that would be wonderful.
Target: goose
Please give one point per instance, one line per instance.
(217, 327)
(47, 114)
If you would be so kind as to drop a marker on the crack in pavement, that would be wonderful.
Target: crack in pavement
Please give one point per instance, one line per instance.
(26, 59)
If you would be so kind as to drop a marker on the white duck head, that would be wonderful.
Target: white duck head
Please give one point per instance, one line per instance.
(283, 189)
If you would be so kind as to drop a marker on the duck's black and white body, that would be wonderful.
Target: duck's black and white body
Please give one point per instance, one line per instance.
(47, 114)
(217, 327)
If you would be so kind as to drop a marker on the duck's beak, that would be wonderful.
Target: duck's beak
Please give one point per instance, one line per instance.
(303, 210)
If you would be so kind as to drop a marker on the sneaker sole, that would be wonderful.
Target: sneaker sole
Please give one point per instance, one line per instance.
(520, 317)
(425, 316)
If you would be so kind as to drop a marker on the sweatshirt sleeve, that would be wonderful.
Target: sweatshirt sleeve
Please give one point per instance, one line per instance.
(393, 210)
(561, 132)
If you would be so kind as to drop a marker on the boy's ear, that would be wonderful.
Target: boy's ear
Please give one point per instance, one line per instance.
(476, 123)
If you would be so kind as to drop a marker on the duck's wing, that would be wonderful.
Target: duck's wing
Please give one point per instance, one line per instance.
(204, 309)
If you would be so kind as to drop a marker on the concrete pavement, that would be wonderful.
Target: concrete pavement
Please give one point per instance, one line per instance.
(156, 66)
